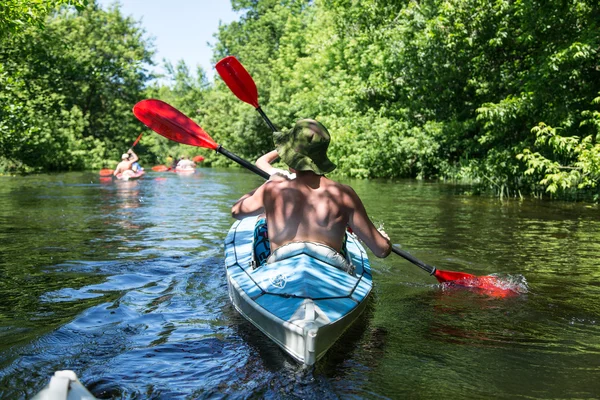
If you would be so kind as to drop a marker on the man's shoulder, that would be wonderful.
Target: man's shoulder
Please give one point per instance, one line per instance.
(343, 192)
(277, 182)
(336, 184)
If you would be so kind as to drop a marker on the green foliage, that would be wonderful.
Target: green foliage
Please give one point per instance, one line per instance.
(582, 156)
(184, 91)
(69, 90)
(16, 15)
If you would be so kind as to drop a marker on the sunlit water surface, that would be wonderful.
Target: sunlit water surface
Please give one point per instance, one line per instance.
(124, 283)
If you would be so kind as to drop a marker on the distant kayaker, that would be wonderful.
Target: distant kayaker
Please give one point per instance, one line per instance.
(171, 162)
(185, 164)
(311, 207)
(136, 167)
(125, 166)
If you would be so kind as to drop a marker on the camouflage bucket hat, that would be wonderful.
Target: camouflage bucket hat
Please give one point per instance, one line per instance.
(304, 147)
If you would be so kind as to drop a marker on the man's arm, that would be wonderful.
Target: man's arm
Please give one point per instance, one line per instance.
(250, 204)
(135, 157)
(366, 231)
(117, 169)
(265, 161)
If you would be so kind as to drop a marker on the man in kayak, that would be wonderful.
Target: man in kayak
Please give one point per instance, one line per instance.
(185, 164)
(171, 162)
(125, 166)
(310, 207)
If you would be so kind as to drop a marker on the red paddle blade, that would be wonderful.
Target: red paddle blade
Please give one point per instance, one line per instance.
(238, 80)
(447, 276)
(488, 284)
(198, 159)
(160, 168)
(106, 172)
(171, 123)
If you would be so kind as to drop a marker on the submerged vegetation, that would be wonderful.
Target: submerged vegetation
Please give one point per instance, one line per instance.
(504, 95)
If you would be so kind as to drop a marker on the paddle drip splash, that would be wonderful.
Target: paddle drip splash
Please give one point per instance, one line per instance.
(495, 285)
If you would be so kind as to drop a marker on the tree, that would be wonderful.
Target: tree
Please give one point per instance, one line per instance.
(17, 15)
(70, 90)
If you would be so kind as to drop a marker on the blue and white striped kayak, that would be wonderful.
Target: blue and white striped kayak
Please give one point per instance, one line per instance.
(302, 301)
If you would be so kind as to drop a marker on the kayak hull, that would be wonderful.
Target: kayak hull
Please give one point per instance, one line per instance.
(185, 171)
(64, 385)
(301, 303)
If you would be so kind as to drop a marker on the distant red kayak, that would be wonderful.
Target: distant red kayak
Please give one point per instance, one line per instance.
(105, 172)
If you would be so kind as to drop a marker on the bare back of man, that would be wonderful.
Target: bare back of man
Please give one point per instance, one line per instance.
(311, 208)
(125, 166)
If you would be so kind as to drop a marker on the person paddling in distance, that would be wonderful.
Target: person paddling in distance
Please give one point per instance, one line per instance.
(309, 208)
(185, 164)
(125, 166)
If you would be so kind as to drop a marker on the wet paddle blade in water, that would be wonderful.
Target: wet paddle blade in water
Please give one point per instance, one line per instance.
(445, 276)
(490, 285)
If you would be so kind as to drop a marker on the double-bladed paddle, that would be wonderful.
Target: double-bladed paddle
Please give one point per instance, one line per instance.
(242, 85)
(108, 172)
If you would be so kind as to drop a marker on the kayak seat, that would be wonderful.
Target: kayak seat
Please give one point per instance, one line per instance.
(261, 248)
(318, 251)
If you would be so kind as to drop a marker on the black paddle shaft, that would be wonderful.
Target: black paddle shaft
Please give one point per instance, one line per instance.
(267, 120)
(413, 260)
(242, 162)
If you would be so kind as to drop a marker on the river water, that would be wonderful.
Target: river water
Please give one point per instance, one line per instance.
(123, 282)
